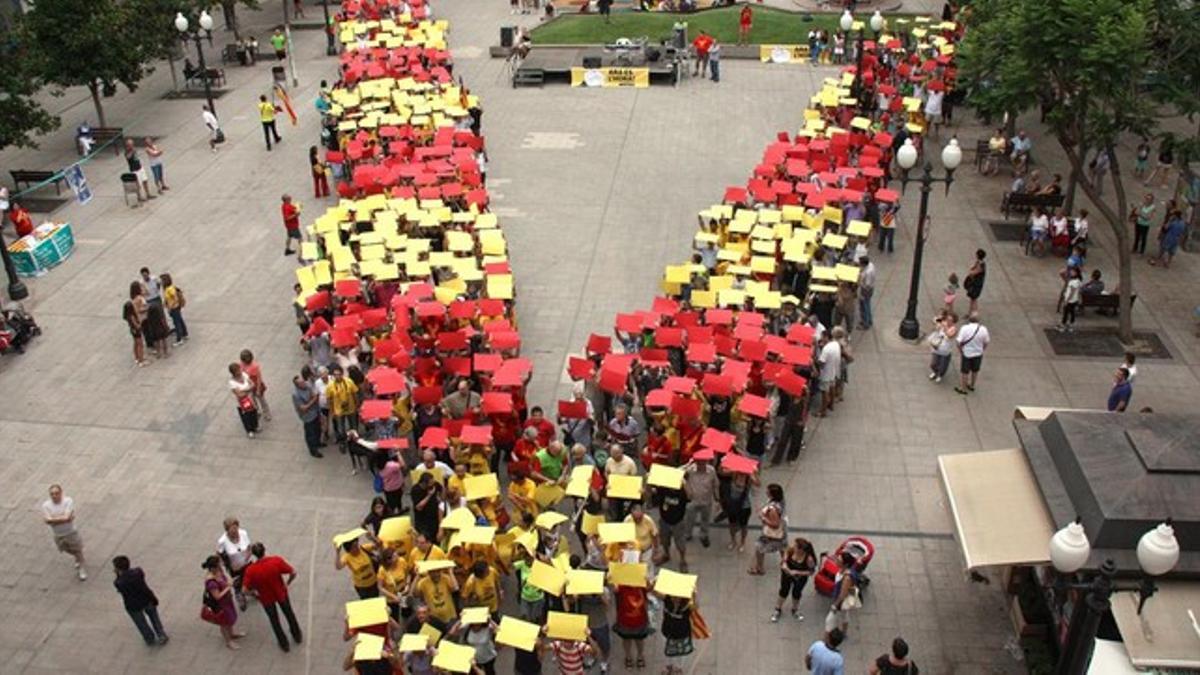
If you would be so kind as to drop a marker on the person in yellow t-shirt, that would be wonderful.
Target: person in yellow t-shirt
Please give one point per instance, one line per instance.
(456, 481)
(482, 588)
(425, 550)
(342, 395)
(357, 557)
(437, 590)
(521, 492)
(266, 115)
(646, 529)
(393, 580)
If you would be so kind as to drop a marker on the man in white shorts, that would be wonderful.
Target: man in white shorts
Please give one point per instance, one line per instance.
(59, 513)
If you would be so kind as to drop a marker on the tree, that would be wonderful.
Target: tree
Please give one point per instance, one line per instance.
(1084, 63)
(92, 43)
(229, 8)
(21, 117)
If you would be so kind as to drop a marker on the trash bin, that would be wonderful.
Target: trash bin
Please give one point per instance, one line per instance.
(507, 34)
(279, 74)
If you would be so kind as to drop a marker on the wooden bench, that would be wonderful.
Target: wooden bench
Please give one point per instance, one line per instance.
(982, 150)
(215, 76)
(102, 135)
(1109, 304)
(29, 177)
(1025, 203)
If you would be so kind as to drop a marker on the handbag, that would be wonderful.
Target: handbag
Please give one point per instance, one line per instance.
(852, 600)
(219, 137)
(700, 629)
(208, 615)
(246, 404)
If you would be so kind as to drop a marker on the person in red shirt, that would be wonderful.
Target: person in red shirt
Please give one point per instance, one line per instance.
(702, 44)
(523, 451)
(21, 220)
(264, 579)
(545, 429)
(291, 223)
(744, 21)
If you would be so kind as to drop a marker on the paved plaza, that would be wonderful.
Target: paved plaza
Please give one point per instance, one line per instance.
(597, 190)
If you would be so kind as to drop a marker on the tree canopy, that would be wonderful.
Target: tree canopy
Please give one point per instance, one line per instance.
(21, 117)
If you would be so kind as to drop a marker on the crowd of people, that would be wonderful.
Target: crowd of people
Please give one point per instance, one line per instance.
(406, 311)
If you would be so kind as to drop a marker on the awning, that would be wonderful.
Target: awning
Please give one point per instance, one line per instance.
(1110, 658)
(999, 515)
(1029, 412)
(1165, 635)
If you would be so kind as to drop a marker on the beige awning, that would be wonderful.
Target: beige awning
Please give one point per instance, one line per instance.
(1029, 412)
(999, 515)
(1165, 635)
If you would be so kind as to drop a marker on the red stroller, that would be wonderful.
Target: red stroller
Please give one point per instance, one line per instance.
(860, 548)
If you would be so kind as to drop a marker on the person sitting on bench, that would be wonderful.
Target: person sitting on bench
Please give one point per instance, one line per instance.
(1093, 286)
(1021, 146)
(190, 71)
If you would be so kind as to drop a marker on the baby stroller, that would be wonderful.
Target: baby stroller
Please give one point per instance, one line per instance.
(17, 328)
(860, 548)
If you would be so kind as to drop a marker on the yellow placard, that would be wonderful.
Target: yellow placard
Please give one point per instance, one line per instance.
(370, 612)
(624, 487)
(616, 533)
(821, 273)
(517, 633)
(547, 577)
(528, 541)
(413, 642)
(474, 615)
(454, 658)
(550, 520)
(832, 213)
(339, 539)
(579, 488)
(610, 77)
(566, 626)
(585, 582)
(368, 647)
(591, 523)
(664, 476)
(548, 494)
(627, 574)
(858, 228)
(860, 123)
(834, 241)
(704, 299)
(847, 272)
(783, 53)
(500, 286)
(427, 566)
(478, 534)
(675, 584)
(432, 634)
(395, 528)
(481, 487)
(459, 241)
(458, 519)
(822, 288)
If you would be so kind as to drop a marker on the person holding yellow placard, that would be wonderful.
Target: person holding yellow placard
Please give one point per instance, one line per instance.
(393, 575)
(482, 589)
(677, 632)
(633, 624)
(357, 557)
(530, 598)
(437, 590)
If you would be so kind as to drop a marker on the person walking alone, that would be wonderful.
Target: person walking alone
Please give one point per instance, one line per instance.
(59, 513)
(265, 580)
(266, 115)
(291, 223)
(215, 135)
(140, 601)
(1070, 298)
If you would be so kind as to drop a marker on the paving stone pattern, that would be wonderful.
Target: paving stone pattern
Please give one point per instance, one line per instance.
(598, 190)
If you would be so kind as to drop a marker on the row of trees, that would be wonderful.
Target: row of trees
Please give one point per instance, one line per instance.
(98, 44)
(1100, 71)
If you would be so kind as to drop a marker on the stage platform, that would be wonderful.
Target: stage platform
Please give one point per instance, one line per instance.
(554, 64)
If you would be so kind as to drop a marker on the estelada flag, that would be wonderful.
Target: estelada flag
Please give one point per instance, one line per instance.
(283, 97)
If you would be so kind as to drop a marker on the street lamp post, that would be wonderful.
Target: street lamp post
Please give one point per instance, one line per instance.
(1157, 553)
(846, 23)
(910, 328)
(206, 24)
(16, 288)
(330, 44)
(287, 32)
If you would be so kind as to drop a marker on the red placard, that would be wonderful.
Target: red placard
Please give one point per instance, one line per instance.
(476, 435)
(572, 410)
(739, 464)
(717, 440)
(431, 394)
(580, 369)
(599, 344)
(612, 381)
(756, 406)
(496, 402)
(716, 384)
(375, 409)
(659, 398)
(435, 437)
